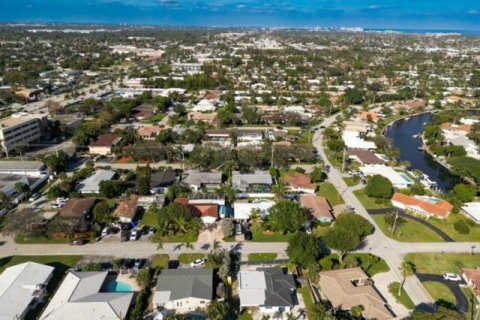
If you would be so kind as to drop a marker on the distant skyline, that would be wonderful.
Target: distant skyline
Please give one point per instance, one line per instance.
(386, 14)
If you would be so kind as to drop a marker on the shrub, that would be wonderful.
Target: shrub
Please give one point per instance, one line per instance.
(461, 227)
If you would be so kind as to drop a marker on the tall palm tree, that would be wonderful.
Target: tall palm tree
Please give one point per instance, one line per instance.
(279, 191)
(256, 219)
(407, 269)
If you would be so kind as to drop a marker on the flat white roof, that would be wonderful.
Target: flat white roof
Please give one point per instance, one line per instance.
(242, 210)
(92, 183)
(473, 210)
(353, 141)
(396, 178)
(17, 285)
(252, 288)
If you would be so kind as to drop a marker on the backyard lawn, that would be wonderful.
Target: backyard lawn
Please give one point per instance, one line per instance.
(439, 291)
(329, 191)
(403, 298)
(440, 263)
(160, 261)
(262, 257)
(447, 226)
(410, 231)
(186, 258)
(372, 203)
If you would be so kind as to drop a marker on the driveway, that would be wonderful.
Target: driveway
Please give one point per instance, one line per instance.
(402, 213)
(462, 301)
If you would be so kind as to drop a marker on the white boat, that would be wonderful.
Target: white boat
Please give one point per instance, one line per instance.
(415, 136)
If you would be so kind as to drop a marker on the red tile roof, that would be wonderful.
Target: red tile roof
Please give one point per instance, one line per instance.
(441, 208)
(106, 140)
(300, 180)
(474, 276)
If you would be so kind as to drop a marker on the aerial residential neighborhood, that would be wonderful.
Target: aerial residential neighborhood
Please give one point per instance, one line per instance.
(238, 173)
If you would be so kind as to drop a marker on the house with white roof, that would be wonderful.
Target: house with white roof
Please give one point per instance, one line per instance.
(92, 183)
(22, 287)
(472, 210)
(204, 105)
(271, 289)
(243, 210)
(353, 140)
(86, 295)
(398, 179)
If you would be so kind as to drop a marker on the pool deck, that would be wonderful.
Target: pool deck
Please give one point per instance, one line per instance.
(130, 279)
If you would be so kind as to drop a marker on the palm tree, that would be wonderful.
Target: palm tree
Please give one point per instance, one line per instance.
(407, 269)
(189, 246)
(216, 245)
(160, 246)
(279, 191)
(256, 219)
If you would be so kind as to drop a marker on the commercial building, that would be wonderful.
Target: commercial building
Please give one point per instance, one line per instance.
(34, 169)
(21, 129)
(22, 287)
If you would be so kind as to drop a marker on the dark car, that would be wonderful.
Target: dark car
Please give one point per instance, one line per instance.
(248, 235)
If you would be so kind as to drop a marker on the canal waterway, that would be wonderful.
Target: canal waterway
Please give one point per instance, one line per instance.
(401, 133)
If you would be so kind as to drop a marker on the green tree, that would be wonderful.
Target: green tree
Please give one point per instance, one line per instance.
(318, 173)
(112, 188)
(342, 240)
(102, 213)
(143, 179)
(279, 190)
(355, 224)
(303, 249)
(464, 192)
(56, 163)
(441, 313)
(217, 310)
(286, 216)
(379, 187)
(144, 278)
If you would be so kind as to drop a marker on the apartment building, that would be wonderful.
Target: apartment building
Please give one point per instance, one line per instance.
(21, 130)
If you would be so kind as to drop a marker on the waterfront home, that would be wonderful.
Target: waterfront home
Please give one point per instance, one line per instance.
(369, 116)
(88, 295)
(423, 205)
(353, 140)
(318, 207)
(22, 287)
(472, 210)
(184, 290)
(398, 179)
(300, 182)
(364, 157)
(273, 290)
(348, 288)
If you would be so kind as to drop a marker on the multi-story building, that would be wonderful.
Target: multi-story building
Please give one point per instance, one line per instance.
(21, 129)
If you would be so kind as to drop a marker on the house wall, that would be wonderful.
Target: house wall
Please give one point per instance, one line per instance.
(104, 151)
(208, 220)
(187, 304)
(274, 309)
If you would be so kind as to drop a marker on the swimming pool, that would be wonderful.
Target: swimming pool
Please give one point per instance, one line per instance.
(119, 286)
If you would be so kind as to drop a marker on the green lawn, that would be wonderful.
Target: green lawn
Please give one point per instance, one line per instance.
(410, 231)
(186, 258)
(439, 291)
(447, 226)
(350, 181)
(403, 298)
(329, 191)
(260, 257)
(189, 237)
(160, 261)
(61, 265)
(371, 203)
(370, 263)
(260, 236)
(440, 263)
(331, 158)
(245, 315)
(307, 298)
(25, 239)
(149, 219)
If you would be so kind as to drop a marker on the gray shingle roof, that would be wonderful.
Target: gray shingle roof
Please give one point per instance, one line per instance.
(280, 288)
(185, 283)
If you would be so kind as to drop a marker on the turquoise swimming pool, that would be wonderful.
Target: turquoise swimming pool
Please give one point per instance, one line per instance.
(119, 286)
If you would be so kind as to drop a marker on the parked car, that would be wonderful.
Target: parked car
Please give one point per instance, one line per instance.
(77, 243)
(308, 230)
(152, 230)
(134, 235)
(238, 229)
(56, 205)
(62, 200)
(248, 235)
(105, 232)
(34, 197)
(198, 263)
(451, 277)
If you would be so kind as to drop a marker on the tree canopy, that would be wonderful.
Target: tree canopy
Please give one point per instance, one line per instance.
(286, 216)
(379, 187)
(303, 249)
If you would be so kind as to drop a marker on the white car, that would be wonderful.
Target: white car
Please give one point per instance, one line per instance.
(134, 235)
(105, 232)
(62, 200)
(34, 197)
(198, 263)
(56, 205)
(451, 277)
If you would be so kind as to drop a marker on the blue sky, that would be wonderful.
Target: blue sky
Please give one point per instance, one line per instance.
(404, 14)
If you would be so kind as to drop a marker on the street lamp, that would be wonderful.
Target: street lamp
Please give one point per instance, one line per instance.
(473, 248)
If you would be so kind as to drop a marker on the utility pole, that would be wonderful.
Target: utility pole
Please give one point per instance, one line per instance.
(343, 159)
(394, 223)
